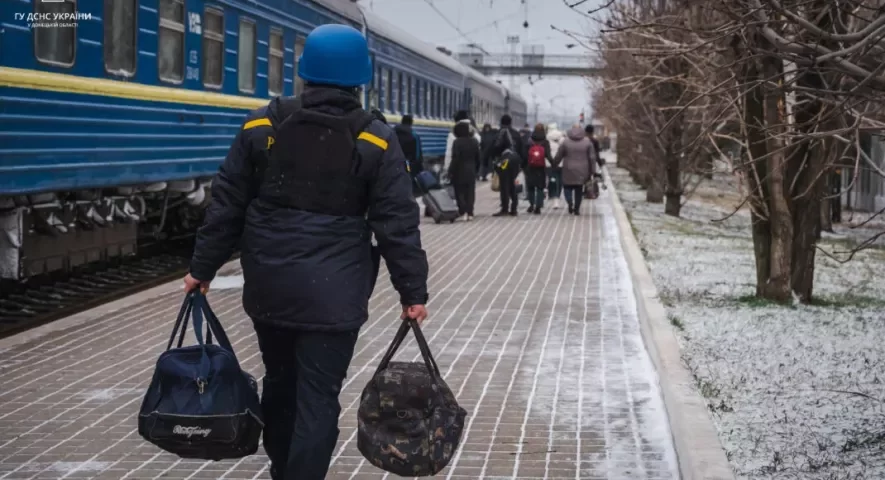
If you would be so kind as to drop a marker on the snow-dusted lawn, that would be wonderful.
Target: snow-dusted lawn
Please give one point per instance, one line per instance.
(795, 392)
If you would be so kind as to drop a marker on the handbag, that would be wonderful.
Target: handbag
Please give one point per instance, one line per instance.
(496, 182)
(200, 403)
(409, 422)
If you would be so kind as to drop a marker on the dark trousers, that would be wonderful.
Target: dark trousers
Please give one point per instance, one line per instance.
(536, 196)
(574, 194)
(509, 198)
(465, 197)
(554, 184)
(304, 372)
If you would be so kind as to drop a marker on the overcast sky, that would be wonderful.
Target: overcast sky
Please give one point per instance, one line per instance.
(488, 23)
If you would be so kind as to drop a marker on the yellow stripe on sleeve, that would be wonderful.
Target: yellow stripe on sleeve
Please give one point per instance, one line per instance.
(374, 140)
(260, 122)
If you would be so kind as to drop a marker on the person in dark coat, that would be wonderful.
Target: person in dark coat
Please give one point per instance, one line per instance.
(487, 136)
(411, 145)
(536, 176)
(588, 130)
(508, 150)
(466, 156)
(302, 213)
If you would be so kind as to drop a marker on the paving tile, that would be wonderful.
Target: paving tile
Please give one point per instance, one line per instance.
(532, 321)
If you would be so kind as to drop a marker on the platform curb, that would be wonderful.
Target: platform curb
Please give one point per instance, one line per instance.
(699, 452)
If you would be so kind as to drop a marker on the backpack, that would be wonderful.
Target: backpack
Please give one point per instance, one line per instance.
(314, 162)
(537, 156)
(508, 156)
(201, 403)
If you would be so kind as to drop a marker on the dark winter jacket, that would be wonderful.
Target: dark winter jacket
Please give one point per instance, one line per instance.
(488, 139)
(504, 142)
(536, 176)
(411, 145)
(309, 270)
(466, 156)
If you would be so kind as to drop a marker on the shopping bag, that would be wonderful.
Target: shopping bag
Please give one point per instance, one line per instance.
(496, 182)
(200, 403)
(409, 422)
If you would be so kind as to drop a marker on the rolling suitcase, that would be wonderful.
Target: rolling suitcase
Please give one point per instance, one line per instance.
(441, 206)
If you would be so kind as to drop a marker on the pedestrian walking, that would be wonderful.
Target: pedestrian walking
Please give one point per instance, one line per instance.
(554, 171)
(507, 151)
(461, 116)
(466, 156)
(537, 157)
(487, 139)
(577, 158)
(303, 213)
(410, 143)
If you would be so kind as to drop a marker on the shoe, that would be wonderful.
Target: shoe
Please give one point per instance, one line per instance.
(502, 213)
(577, 212)
(530, 210)
(571, 209)
(514, 214)
(469, 218)
(537, 211)
(556, 204)
(465, 217)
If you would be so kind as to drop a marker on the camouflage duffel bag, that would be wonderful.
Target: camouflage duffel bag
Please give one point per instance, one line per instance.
(409, 421)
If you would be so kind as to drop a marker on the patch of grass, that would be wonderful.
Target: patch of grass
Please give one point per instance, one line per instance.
(756, 302)
(848, 300)
(676, 322)
(707, 389)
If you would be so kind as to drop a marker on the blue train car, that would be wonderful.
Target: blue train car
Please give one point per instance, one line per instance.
(115, 114)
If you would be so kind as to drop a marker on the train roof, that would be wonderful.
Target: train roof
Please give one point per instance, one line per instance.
(382, 27)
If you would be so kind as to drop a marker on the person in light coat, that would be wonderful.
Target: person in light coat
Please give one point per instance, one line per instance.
(554, 173)
(460, 117)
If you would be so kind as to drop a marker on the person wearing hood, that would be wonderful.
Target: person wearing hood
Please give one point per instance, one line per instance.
(537, 157)
(487, 137)
(577, 157)
(462, 172)
(460, 117)
(554, 173)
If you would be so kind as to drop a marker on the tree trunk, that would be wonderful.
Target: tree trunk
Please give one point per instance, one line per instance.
(780, 271)
(674, 186)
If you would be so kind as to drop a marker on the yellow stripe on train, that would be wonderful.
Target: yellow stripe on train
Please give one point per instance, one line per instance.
(60, 82)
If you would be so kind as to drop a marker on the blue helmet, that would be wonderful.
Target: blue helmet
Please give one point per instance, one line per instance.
(336, 55)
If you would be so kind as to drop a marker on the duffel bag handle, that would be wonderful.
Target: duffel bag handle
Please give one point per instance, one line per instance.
(184, 315)
(201, 309)
(404, 328)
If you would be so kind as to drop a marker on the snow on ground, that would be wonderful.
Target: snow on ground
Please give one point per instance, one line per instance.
(795, 392)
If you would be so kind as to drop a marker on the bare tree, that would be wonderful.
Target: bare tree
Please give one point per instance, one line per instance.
(796, 84)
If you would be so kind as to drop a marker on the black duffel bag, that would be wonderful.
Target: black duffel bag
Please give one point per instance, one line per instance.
(200, 403)
(409, 421)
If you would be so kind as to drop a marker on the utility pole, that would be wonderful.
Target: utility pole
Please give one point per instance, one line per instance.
(513, 41)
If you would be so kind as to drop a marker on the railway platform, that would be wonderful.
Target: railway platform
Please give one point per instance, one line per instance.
(533, 323)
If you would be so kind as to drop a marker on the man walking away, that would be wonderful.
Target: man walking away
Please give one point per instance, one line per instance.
(599, 160)
(303, 213)
(508, 150)
(537, 158)
(487, 137)
(465, 157)
(411, 145)
(461, 116)
(578, 159)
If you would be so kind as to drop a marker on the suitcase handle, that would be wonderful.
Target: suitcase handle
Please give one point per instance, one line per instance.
(411, 324)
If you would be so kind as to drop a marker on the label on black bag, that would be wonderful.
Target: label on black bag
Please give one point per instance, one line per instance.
(191, 431)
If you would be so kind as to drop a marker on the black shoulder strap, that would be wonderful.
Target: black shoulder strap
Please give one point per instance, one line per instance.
(359, 120)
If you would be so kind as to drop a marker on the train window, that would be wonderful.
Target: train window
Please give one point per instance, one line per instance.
(299, 48)
(246, 57)
(213, 48)
(170, 52)
(385, 90)
(412, 107)
(119, 36)
(427, 101)
(393, 88)
(275, 64)
(56, 45)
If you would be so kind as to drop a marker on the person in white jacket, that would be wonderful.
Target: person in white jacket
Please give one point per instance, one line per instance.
(460, 117)
(554, 177)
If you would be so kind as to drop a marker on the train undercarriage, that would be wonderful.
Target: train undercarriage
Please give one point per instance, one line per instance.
(57, 233)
